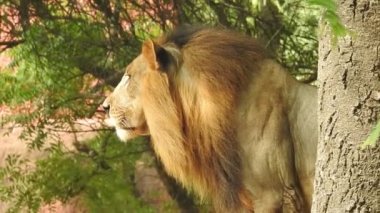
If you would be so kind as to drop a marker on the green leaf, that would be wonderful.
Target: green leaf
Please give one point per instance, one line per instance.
(330, 15)
(373, 137)
(326, 4)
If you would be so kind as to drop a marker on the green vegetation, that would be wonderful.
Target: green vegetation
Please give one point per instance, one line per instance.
(102, 178)
(330, 15)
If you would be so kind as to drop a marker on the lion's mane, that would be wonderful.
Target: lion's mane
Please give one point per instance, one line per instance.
(191, 121)
(192, 103)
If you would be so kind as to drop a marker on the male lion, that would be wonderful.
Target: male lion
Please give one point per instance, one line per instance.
(225, 120)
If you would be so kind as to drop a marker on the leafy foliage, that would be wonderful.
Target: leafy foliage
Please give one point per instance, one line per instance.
(103, 179)
(330, 15)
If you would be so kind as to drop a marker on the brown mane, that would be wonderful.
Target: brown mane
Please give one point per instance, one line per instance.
(191, 111)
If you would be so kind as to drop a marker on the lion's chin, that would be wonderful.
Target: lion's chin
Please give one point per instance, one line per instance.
(124, 135)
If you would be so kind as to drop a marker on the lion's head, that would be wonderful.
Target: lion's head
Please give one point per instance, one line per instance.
(124, 105)
(182, 91)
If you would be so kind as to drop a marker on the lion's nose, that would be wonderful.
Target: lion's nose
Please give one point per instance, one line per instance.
(106, 107)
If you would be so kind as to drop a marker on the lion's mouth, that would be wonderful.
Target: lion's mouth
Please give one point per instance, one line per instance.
(129, 128)
(111, 122)
(126, 132)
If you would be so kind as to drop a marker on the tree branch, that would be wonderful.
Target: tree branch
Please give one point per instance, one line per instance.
(109, 76)
(9, 44)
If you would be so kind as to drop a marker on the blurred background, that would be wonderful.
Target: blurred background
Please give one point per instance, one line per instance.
(60, 59)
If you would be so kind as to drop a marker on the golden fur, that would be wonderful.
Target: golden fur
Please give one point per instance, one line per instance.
(226, 121)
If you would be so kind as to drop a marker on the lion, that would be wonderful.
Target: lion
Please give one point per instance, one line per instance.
(227, 121)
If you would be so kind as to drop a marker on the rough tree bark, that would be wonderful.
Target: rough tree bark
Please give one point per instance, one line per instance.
(347, 178)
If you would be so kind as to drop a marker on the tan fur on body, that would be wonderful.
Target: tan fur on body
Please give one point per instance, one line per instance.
(226, 121)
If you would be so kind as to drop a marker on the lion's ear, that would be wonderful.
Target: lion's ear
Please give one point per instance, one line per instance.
(157, 57)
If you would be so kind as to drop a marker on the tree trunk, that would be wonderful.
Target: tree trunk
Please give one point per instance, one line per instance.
(347, 178)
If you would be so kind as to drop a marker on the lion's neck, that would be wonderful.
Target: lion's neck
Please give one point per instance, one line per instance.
(194, 136)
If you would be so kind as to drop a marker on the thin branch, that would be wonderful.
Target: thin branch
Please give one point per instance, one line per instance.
(9, 44)
(78, 131)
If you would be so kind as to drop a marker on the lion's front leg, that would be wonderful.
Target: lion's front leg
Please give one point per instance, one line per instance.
(292, 201)
(268, 202)
(284, 199)
(271, 174)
